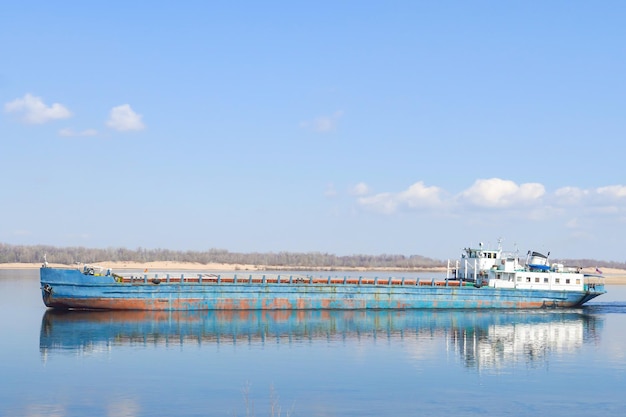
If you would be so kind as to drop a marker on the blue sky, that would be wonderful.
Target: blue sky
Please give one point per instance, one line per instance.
(348, 127)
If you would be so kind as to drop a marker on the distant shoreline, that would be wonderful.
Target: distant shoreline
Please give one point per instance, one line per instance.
(612, 276)
(194, 266)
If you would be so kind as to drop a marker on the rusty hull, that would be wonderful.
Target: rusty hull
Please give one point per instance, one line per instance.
(72, 289)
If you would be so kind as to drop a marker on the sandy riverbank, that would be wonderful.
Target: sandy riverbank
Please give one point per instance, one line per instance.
(612, 276)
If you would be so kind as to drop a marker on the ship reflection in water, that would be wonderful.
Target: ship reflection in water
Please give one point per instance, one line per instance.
(482, 339)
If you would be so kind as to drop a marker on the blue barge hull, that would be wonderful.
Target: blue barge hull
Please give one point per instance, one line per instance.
(73, 289)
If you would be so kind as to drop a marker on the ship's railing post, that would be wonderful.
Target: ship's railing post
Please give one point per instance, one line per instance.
(182, 278)
(344, 280)
(278, 279)
(235, 279)
(467, 266)
(145, 278)
(291, 279)
(390, 278)
(417, 282)
(263, 279)
(475, 270)
(360, 280)
(219, 279)
(329, 280)
(199, 278)
(432, 282)
(167, 278)
(311, 279)
(250, 279)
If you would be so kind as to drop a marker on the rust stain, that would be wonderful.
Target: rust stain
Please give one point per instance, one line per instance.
(278, 303)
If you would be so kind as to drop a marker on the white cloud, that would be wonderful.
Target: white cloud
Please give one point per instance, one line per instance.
(416, 196)
(613, 191)
(34, 111)
(68, 132)
(569, 213)
(607, 199)
(384, 202)
(324, 124)
(570, 195)
(360, 189)
(499, 193)
(568, 205)
(124, 118)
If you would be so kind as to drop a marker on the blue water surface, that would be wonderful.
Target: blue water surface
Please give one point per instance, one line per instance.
(314, 363)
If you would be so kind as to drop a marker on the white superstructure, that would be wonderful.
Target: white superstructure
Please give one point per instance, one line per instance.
(498, 269)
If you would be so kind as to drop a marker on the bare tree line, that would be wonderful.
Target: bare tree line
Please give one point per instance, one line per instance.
(71, 255)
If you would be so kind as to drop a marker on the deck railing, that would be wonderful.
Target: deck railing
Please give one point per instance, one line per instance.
(209, 279)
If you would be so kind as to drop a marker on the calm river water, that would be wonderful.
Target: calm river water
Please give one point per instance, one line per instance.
(314, 363)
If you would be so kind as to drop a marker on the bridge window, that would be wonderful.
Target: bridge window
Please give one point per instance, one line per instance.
(557, 280)
(545, 280)
(527, 279)
(536, 279)
(577, 280)
(567, 280)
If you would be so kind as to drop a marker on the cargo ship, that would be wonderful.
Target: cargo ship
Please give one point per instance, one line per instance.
(481, 279)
